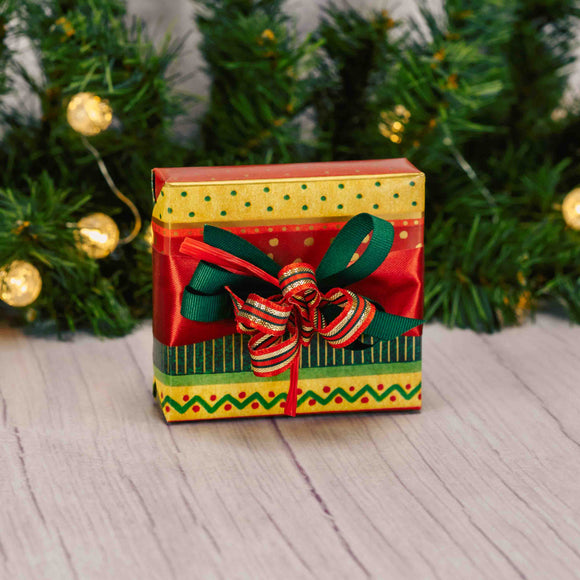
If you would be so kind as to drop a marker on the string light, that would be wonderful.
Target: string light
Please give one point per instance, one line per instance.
(385, 21)
(98, 235)
(148, 236)
(558, 114)
(65, 26)
(393, 123)
(20, 283)
(571, 209)
(88, 115)
(452, 82)
(523, 307)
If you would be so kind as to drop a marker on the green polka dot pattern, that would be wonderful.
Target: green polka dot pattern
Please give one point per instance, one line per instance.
(393, 196)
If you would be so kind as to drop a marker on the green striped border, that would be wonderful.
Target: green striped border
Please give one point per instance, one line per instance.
(230, 355)
(308, 373)
(367, 389)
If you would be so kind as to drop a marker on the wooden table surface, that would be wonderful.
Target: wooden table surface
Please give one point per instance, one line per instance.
(483, 483)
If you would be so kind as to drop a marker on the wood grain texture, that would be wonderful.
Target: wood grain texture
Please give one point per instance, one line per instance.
(483, 483)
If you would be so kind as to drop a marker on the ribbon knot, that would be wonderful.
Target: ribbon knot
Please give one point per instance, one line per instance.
(298, 285)
(282, 308)
(281, 324)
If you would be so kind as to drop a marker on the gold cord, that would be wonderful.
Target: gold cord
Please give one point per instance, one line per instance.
(137, 227)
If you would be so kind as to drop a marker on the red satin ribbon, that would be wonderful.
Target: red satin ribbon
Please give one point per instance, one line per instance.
(396, 285)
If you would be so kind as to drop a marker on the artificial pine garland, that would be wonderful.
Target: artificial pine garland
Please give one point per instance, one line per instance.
(477, 98)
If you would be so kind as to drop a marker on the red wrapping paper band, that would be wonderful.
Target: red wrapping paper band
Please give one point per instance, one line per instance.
(396, 284)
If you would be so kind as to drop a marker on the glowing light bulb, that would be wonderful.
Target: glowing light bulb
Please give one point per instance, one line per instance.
(88, 114)
(98, 235)
(20, 283)
(571, 209)
(148, 236)
(392, 125)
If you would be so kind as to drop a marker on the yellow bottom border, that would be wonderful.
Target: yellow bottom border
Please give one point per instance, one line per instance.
(397, 391)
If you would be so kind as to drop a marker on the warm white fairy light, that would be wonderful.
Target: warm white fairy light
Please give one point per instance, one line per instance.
(20, 283)
(392, 125)
(88, 114)
(571, 209)
(98, 235)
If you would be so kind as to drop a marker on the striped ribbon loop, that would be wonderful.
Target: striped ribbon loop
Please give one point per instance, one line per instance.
(281, 324)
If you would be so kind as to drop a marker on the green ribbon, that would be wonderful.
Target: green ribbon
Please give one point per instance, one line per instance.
(205, 298)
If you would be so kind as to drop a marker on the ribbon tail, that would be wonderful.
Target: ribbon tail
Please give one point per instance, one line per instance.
(385, 326)
(291, 398)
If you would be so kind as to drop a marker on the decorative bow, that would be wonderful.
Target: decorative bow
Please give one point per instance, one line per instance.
(281, 308)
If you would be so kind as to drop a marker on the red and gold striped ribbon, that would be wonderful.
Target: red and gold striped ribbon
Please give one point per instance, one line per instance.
(281, 324)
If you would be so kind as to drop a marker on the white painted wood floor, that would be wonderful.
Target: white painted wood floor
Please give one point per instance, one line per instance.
(483, 483)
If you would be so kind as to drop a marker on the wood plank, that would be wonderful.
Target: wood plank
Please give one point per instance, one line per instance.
(482, 483)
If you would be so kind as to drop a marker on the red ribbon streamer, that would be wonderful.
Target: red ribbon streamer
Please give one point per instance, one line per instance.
(396, 285)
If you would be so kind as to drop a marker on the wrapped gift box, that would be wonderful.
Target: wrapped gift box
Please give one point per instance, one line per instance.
(291, 213)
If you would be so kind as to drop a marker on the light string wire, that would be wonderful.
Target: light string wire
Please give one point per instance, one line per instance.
(103, 168)
(470, 172)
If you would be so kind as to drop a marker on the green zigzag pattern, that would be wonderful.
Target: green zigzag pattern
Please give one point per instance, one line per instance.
(282, 396)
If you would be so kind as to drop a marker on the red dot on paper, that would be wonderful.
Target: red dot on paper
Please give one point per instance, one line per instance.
(227, 407)
(312, 402)
(282, 404)
(161, 395)
(186, 397)
(419, 396)
(408, 387)
(213, 398)
(196, 408)
(380, 387)
(393, 398)
(167, 408)
(255, 405)
(242, 394)
(351, 388)
(364, 400)
(271, 394)
(326, 389)
(338, 400)
(299, 391)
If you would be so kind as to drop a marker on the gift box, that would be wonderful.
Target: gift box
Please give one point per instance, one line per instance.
(287, 289)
